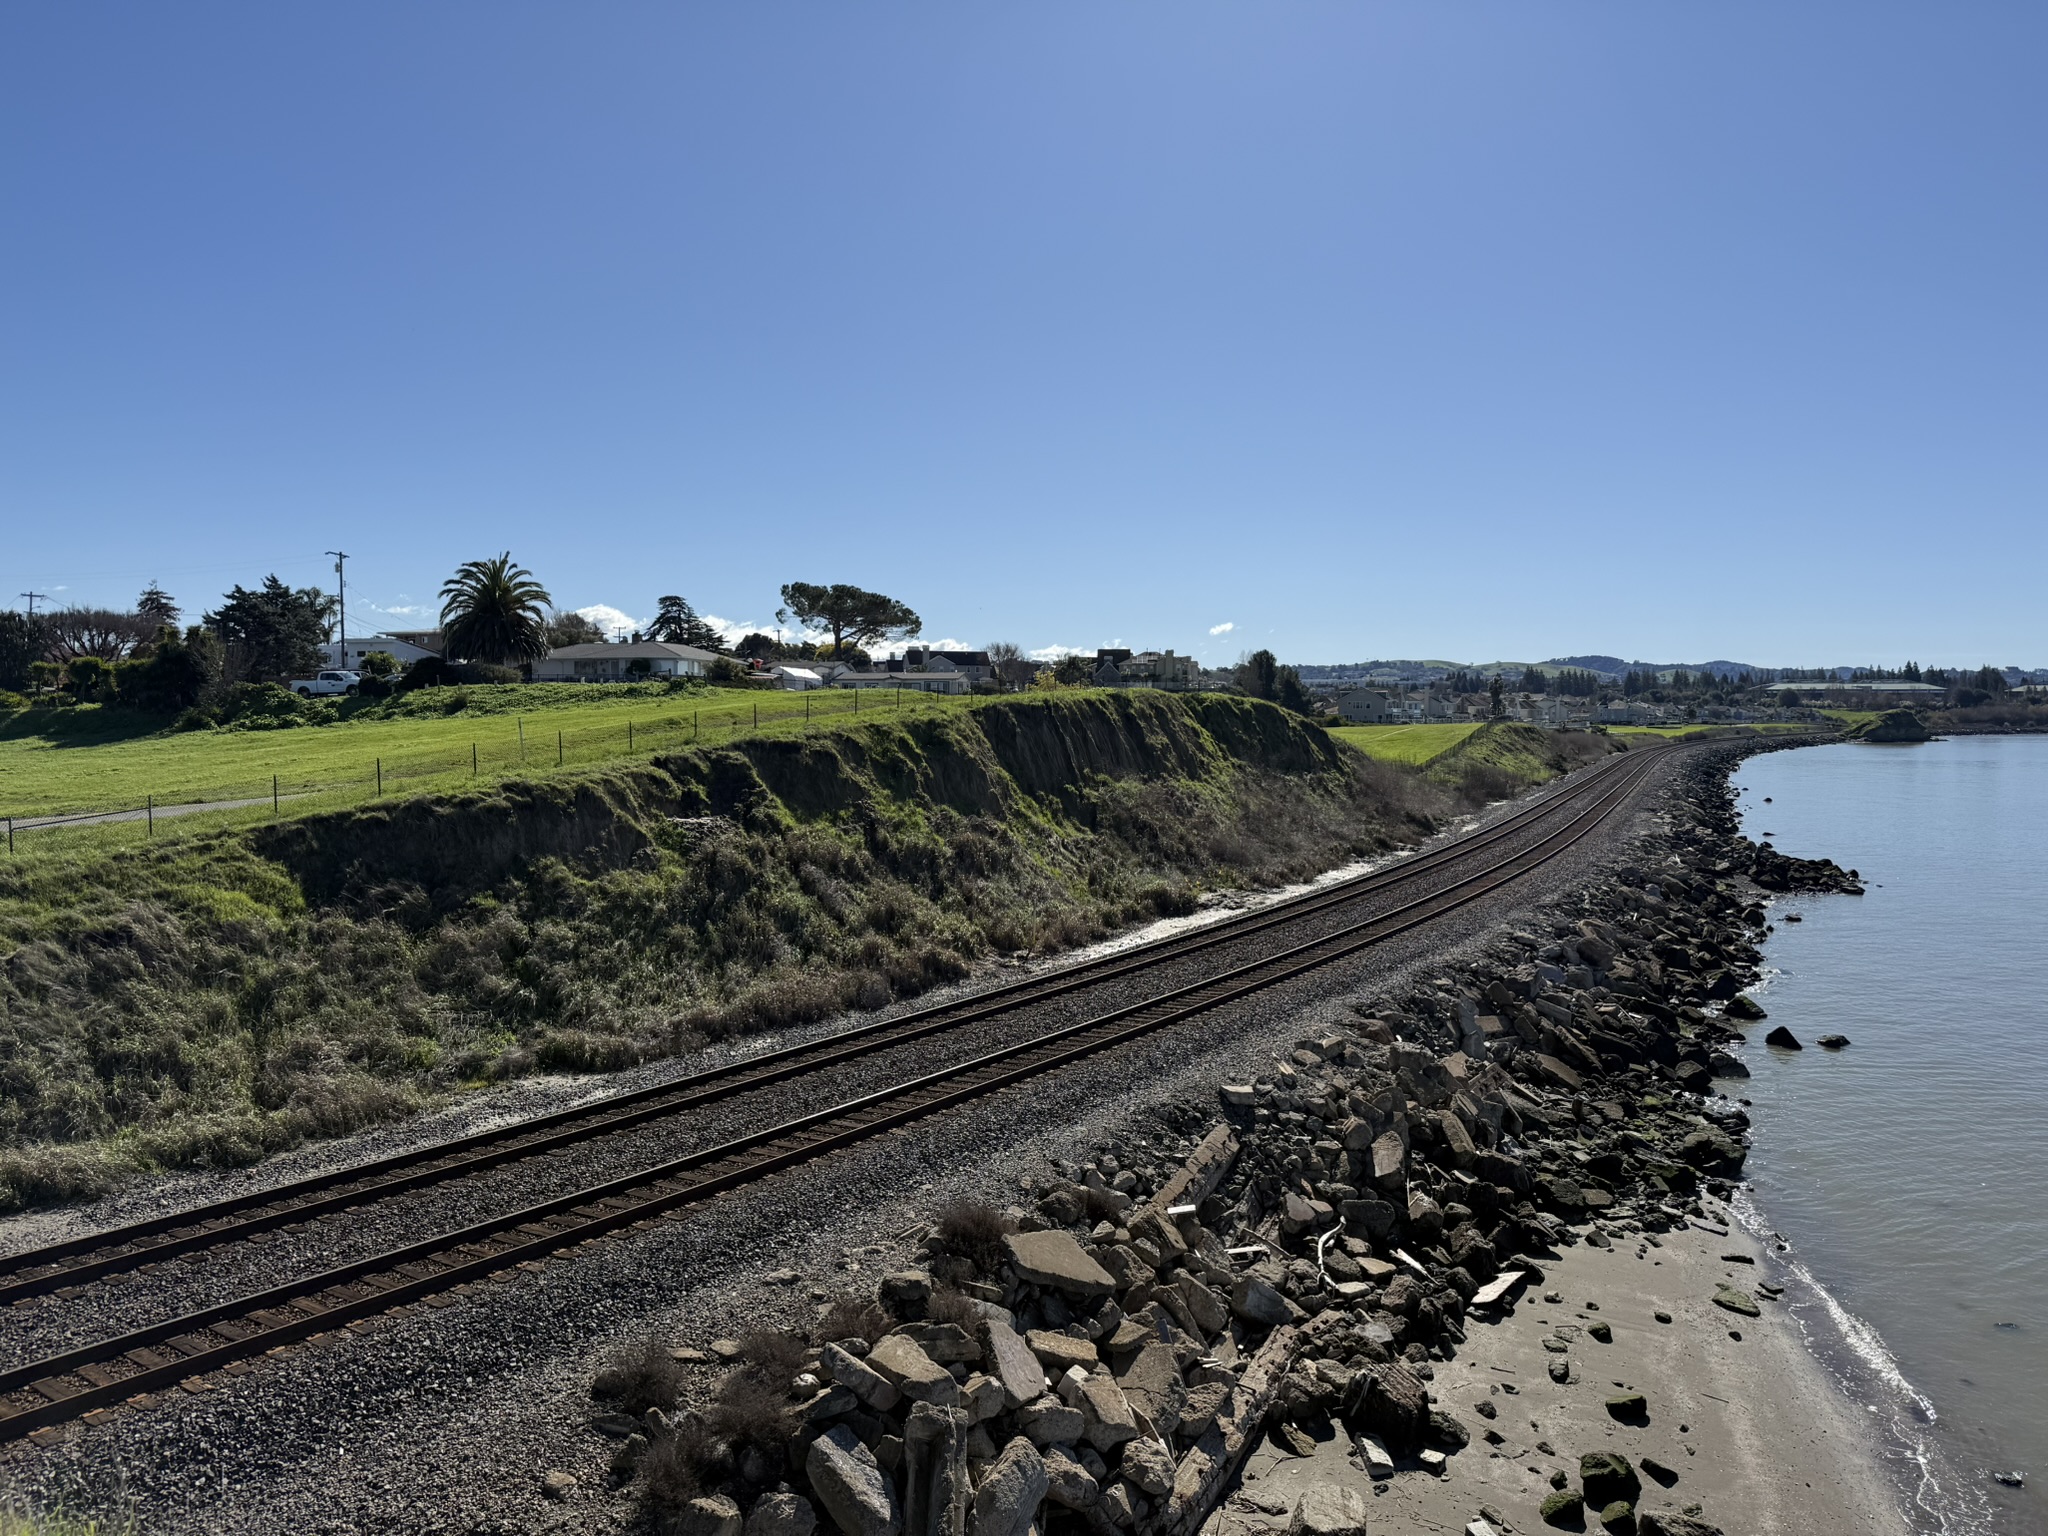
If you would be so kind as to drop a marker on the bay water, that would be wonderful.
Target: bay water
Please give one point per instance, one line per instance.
(1908, 1173)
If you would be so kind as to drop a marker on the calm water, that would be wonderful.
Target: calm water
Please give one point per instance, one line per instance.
(1910, 1171)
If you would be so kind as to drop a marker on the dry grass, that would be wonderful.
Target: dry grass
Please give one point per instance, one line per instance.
(852, 1317)
(974, 1230)
(640, 1378)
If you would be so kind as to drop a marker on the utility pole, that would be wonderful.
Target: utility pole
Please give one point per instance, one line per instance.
(341, 595)
(32, 596)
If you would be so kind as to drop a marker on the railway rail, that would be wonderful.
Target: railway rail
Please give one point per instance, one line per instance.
(94, 1378)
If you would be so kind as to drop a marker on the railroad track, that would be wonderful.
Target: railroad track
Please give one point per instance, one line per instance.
(94, 1256)
(92, 1379)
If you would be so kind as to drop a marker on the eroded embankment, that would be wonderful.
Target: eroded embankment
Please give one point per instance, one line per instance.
(216, 999)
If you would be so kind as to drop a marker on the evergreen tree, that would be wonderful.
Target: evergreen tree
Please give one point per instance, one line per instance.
(156, 606)
(272, 633)
(677, 624)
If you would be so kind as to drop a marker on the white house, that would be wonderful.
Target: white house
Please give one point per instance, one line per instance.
(602, 663)
(797, 678)
(347, 655)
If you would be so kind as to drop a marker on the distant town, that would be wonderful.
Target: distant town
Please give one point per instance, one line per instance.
(498, 624)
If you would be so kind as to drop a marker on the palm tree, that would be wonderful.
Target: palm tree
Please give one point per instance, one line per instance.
(493, 610)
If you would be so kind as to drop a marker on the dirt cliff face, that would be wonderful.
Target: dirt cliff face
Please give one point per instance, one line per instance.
(267, 985)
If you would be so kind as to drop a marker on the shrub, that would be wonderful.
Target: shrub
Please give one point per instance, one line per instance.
(10, 700)
(194, 719)
(974, 1230)
(852, 1317)
(640, 1378)
(684, 1465)
(259, 706)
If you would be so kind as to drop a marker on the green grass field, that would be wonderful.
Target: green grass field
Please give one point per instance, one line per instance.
(1416, 744)
(58, 761)
(1683, 732)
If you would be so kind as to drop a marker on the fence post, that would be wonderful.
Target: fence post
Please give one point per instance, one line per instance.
(10, 835)
(273, 794)
(629, 735)
(522, 740)
(472, 759)
(149, 811)
(558, 749)
(757, 714)
(380, 776)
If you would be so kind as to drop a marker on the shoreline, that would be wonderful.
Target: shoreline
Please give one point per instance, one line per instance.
(1550, 1101)
(1466, 1263)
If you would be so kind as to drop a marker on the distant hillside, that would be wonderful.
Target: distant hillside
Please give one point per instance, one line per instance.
(1614, 666)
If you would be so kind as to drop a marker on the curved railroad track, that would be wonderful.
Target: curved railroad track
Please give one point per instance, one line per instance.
(88, 1380)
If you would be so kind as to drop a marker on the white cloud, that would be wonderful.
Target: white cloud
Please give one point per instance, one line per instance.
(1055, 652)
(612, 622)
(1221, 629)
(735, 630)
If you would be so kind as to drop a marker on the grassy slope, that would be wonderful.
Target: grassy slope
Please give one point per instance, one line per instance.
(1404, 743)
(89, 758)
(1500, 759)
(218, 994)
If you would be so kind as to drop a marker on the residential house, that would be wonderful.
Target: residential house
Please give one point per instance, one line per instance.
(798, 679)
(1160, 669)
(1364, 706)
(599, 662)
(347, 655)
(972, 665)
(1119, 667)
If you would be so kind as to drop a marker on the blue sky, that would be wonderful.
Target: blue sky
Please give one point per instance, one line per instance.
(1355, 330)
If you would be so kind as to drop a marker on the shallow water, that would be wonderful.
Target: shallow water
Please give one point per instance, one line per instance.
(1909, 1172)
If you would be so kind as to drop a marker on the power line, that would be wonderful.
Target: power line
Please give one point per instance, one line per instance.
(32, 596)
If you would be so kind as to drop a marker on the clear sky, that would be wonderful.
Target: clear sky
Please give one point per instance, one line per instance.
(1471, 330)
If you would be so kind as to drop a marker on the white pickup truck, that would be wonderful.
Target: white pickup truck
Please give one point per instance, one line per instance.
(326, 683)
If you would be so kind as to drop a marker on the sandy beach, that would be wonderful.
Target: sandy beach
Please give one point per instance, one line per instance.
(1761, 1438)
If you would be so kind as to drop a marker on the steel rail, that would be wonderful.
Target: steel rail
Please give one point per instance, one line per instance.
(94, 1256)
(55, 1390)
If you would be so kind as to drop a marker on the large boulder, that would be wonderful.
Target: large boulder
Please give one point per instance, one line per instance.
(1258, 1303)
(1605, 1477)
(850, 1483)
(911, 1371)
(1011, 1362)
(1152, 1383)
(1006, 1500)
(1328, 1509)
(870, 1386)
(1391, 1402)
(1067, 1483)
(1054, 1259)
(1108, 1420)
(1048, 1421)
(1148, 1467)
